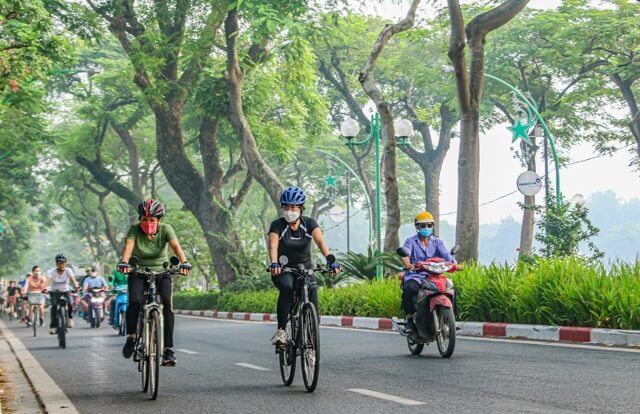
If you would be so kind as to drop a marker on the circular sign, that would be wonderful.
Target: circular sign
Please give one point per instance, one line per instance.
(529, 183)
(337, 214)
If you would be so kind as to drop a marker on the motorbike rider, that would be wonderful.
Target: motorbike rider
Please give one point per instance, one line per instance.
(91, 283)
(148, 240)
(116, 279)
(60, 278)
(424, 245)
(291, 235)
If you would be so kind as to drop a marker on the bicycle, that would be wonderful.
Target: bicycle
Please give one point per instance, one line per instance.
(150, 339)
(302, 328)
(62, 311)
(35, 300)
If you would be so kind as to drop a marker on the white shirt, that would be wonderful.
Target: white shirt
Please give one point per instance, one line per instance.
(59, 282)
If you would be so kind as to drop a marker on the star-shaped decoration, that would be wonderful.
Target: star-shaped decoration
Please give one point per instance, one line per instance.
(330, 181)
(520, 130)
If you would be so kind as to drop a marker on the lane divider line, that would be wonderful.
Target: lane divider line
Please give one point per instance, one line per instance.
(186, 351)
(383, 396)
(251, 366)
(51, 396)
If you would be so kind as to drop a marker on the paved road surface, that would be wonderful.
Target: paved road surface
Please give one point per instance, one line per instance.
(483, 375)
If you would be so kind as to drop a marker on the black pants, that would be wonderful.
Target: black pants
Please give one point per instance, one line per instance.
(54, 302)
(137, 286)
(410, 291)
(284, 283)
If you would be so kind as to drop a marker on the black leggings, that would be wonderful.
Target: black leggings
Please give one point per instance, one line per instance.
(284, 283)
(54, 303)
(136, 288)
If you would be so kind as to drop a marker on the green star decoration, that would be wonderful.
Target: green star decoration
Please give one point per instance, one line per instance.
(520, 130)
(330, 181)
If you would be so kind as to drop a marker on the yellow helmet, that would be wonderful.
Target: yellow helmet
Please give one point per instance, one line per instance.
(424, 217)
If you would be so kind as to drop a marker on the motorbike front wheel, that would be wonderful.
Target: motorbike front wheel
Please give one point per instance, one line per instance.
(414, 348)
(446, 337)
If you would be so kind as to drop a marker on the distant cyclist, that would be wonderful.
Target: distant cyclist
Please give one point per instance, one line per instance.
(61, 278)
(35, 286)
(148, 240)
(291, 235)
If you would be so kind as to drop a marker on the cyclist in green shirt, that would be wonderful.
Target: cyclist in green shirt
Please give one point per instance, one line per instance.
(148, 240)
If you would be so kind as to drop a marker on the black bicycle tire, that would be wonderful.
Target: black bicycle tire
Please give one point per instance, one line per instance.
(35, 321)
(62, 327)
(155, 355)
(310, 336)
(288, 354)
(122, 319)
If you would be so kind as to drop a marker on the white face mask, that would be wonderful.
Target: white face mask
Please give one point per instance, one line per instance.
(290, 215)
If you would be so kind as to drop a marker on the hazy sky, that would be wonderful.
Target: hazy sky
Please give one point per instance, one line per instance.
(499, 169)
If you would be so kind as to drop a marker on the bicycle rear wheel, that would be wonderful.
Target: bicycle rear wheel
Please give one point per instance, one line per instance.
(155, 353)
(310, 356)
(62, 326)
(287, 356)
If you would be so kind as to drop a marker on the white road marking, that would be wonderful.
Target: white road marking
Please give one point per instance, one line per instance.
(186, 351)
(469, 338)
(387, 397)
(256, 367)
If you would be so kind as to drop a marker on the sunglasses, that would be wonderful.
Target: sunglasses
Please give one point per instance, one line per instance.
(425, 225)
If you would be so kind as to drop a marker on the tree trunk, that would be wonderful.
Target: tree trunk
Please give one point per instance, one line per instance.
(625, 87)
(215, 220)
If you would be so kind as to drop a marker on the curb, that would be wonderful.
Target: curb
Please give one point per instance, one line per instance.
(52, 398)
(483, 329)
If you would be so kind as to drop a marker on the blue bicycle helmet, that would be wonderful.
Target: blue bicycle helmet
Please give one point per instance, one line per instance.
(293, 196)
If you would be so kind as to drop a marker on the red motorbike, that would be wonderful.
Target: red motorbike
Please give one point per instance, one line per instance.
(434, 317)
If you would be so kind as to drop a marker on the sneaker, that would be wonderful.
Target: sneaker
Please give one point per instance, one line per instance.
(41, 323)
(169, 358)
(53, 331)
(279, 338)
(70, 323)
(128, 348)
(411, 327)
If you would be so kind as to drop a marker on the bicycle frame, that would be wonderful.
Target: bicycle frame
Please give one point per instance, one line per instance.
(150, 304)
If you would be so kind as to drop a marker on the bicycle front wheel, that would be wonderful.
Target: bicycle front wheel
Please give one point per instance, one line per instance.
(310, 356)
(155, 353)
(287, 357)
(36, 320)
(62, 326)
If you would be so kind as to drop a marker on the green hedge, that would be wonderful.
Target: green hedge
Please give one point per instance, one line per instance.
(195, 300)
(550, 292)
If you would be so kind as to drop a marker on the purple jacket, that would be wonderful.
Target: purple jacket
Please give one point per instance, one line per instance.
(418, 253)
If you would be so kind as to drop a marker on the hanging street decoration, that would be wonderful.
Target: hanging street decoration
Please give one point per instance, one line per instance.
(525, 119)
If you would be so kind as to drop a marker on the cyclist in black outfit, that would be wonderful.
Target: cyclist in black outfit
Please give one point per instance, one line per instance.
(291, 236)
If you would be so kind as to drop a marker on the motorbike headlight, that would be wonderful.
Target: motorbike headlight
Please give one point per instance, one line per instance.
(449, 284)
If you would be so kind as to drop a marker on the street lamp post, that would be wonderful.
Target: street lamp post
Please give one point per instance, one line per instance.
(350, 129)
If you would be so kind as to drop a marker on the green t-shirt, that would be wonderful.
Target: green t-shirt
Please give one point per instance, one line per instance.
(152, 253)
(117, 278)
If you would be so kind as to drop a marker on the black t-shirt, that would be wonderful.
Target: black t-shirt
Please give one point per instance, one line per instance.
(12, 291)
(295, 244)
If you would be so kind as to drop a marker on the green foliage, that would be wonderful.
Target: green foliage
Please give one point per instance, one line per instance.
(563, 228)
(363, 267)
(194, 299)
(568, 291)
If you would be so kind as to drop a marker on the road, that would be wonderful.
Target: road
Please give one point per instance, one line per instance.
(482, 376)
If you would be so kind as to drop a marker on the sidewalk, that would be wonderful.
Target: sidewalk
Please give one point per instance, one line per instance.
(479, 329)
(16, 396)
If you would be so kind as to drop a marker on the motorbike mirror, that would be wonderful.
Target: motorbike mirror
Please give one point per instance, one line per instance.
(133, 261)
(455, 250)
(402, 252)
(165, 264)
(174, 261)
(331, 259)
(283, 260)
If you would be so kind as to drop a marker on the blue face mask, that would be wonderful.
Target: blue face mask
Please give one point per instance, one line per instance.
(424, 233)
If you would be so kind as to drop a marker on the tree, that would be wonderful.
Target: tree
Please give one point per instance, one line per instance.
(469, 83)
